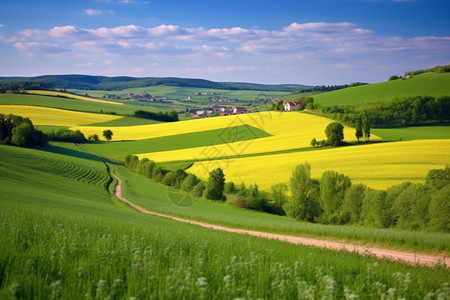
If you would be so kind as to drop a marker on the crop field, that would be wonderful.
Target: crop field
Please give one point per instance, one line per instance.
(55, 117)
(66, 238)
(289, 130)
(67, 95)
(413, 133)
(118, 150)
(65, 103)
(175, 92)
(377, 165)
(430, 84)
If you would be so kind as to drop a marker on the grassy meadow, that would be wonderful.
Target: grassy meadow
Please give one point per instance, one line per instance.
(67, 95)
(430, 84)
(65, 103)
(64, 236)
(413, 133)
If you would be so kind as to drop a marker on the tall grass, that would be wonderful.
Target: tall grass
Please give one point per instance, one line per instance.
(154, 196)
(65, 238)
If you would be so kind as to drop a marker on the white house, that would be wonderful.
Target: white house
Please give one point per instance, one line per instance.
(290, 105)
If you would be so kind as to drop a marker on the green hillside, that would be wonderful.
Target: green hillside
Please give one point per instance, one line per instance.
(430, 84)
(64, 237)
(65, 103)
(86, 82)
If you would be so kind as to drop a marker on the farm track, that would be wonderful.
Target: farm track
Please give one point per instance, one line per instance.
(408, 257)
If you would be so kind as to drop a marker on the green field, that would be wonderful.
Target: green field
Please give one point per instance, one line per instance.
(65, 103)
(118, 150)
(430, 84)
(64, 236)
(175, 92)
(137, 188)
(413, 133)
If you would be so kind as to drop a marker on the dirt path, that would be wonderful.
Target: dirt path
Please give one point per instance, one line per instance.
(405, 256)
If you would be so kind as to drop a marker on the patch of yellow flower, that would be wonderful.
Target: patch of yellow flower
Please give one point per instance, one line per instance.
(61, 94)
(57, 117)
(377, 165)
(289, 130)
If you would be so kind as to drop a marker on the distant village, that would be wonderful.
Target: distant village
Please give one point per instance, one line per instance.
(219, 107)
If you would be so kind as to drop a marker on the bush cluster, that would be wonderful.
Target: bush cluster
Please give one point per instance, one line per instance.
(167, 116)
(67, 135)
(18, 131)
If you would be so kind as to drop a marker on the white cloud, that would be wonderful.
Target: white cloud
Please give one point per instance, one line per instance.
(33, 49)
(96, 12)
(314, 44)
(1, 25)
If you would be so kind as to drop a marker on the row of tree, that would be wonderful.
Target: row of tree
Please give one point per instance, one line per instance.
(327, 88)
(167, 116)
(403, 111)
(213, 189)
(19, 131)
(334, 200)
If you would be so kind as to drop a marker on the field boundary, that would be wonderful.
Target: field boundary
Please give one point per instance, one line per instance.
(409, 257)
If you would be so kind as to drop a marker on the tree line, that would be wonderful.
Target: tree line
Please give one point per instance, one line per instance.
(19, 131)
(332, 199)
(400, 111)
(328, 88)
(167, 116)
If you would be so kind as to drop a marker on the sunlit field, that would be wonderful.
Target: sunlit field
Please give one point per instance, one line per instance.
(377, 165)
(61, 94)
(288, 130)
(55, 117)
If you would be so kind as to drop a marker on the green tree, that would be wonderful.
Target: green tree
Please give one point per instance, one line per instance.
(108, 134)
(352, 206)
(198, 189)
(93, 138)
(313, 142)
(189, 183)
(358, 129)
(215, 185)
(25, 135)
(332, 192)
(366, 128)
(254, 198)
(303, 203)
(439, 210)
(279, 192)
(374, 209)
(438, 178)
(335, 133)
(411, 207)
(229, 187)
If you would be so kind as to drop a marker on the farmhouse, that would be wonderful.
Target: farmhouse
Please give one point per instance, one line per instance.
(290, 105)
(239, 110)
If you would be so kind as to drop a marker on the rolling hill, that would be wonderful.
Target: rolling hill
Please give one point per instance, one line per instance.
(85, 82)
(430, 84)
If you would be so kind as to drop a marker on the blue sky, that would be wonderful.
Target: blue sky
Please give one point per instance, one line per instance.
(307, 42)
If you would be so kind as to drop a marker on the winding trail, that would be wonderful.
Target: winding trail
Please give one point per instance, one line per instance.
(405, 256)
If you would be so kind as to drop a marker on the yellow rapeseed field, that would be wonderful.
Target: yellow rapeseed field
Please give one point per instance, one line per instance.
(53, 93)
(289, 130)
(376, 165)
(57, 117)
